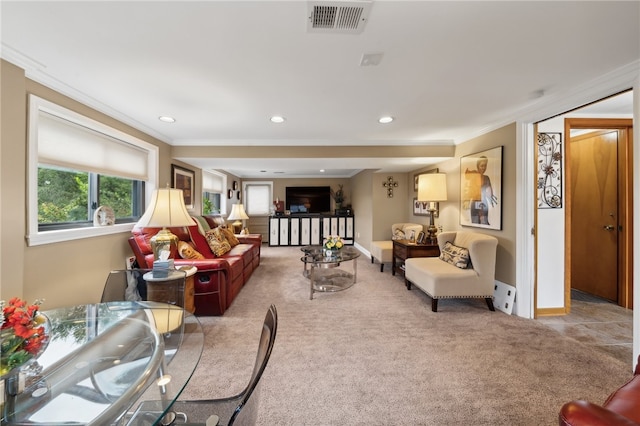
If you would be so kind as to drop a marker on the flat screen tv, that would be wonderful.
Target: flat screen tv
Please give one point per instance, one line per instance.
(308, 199)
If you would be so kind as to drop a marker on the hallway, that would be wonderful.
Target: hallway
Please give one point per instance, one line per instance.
(597, 322)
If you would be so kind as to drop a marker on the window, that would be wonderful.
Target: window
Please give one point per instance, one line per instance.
(77, 165)
(258, 198)
(213, 200)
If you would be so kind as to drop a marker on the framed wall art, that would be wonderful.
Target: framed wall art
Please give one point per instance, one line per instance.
(183, 179)
(481, 189)
(549, 170)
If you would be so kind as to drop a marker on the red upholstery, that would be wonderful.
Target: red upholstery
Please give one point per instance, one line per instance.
(218, 279)
(622, 407)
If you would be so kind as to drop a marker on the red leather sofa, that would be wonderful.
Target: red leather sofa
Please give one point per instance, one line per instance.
(622, 407)
(218, 280)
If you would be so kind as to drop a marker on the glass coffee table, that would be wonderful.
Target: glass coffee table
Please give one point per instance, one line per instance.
(326, 273)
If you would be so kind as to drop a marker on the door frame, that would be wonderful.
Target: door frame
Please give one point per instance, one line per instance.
(625, 203)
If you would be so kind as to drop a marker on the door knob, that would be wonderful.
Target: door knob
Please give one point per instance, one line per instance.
(609, 227)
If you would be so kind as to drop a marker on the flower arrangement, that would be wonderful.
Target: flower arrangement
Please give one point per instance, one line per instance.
(333, 242)
(22, 334)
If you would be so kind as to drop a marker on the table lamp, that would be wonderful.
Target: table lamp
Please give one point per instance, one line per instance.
(432, 187)
(239, 215)
(166, 209)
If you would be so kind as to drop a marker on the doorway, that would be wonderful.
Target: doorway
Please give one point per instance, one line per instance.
(599, 209)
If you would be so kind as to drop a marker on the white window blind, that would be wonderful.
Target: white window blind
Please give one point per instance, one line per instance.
(212, 182)
(70, 145)
(258, 198)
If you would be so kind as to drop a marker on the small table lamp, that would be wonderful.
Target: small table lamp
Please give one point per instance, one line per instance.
(432, 187)
(238, 214)
(166, 209)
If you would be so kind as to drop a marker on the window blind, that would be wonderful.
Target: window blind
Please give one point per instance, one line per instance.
(66, 144)
(212, 182)
(258, 199)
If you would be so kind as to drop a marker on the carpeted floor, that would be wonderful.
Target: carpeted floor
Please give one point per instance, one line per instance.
(375, 354)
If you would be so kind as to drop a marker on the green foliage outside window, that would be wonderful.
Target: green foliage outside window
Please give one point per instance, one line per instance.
(64, 196)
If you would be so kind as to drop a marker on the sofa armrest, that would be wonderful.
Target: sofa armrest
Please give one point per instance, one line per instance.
(585, 413)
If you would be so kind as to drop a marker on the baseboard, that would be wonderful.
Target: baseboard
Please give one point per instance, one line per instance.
(362, 249)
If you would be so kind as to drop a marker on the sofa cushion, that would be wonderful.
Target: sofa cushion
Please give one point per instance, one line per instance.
(217, 242)
(229, 236)
(186, 251)
(203, 225)
(200, 242)
(456, 256)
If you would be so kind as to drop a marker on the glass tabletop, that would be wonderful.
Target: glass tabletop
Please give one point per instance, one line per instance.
(318, 255)
(101, 360)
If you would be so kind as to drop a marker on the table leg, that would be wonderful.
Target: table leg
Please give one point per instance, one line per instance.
(312, 276)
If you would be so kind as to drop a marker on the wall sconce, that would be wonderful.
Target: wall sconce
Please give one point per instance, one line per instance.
(390, 184)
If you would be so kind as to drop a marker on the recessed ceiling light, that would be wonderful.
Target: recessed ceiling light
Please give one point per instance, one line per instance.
(166, 119)
(385, 120)
(277, 119)
(321, 170)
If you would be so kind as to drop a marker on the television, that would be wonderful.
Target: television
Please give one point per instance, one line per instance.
(308, 199)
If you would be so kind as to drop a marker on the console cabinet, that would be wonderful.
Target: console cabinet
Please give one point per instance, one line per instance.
(302, 230)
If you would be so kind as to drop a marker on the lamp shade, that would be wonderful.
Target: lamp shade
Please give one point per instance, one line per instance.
(238, 213)
(432, 187)
(166, 209)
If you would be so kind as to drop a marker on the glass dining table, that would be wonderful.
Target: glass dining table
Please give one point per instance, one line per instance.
(102, 361)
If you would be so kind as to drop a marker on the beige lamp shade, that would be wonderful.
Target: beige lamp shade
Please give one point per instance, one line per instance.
(432, 187)
(166, 209)
(238, 215)
(166, 318)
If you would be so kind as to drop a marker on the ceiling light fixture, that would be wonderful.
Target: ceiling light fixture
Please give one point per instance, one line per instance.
(385, 120)
(277, 119)
(166, 119)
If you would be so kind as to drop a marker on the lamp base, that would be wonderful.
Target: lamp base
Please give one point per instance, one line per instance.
(237, 226)
(431, 229)
(164, 240)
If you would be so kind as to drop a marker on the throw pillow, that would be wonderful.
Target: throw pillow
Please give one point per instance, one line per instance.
(229, 236)
(218, 244)
(203, 225)
(398, 234)
(186, 251)
(457, 256)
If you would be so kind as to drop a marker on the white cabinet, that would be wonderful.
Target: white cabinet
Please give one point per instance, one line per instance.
(274, 231)
(308, 230)
(294, 231)
(284, 231)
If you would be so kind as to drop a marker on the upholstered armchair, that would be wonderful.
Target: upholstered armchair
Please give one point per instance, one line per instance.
(382, 251)
(465, 268)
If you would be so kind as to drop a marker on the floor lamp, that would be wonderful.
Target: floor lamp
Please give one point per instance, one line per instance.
(432, 187)
(239, 215)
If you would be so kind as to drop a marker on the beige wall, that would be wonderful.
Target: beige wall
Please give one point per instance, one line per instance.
(65, 273)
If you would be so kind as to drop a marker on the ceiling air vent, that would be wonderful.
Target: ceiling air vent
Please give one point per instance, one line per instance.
(345, 17)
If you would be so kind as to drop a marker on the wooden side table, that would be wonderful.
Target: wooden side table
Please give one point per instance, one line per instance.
(161, 290)
(404, 249)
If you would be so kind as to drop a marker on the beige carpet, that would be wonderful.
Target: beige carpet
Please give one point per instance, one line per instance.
(375, 354)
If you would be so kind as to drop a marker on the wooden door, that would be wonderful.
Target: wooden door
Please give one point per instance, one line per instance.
(594, 213)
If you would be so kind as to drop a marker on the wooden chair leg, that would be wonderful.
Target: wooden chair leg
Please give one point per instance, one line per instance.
(434, 305)
(490, 303)
(407, 283)
(372, 259)
(382, 267)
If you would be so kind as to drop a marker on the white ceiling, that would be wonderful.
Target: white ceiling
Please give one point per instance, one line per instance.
(450, 70)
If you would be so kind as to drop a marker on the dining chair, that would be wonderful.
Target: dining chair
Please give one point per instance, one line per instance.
(241, 409)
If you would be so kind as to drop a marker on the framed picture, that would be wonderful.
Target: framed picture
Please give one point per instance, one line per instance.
(238, 195)
(230, 194)
(183, 179)
(420, 239)
(481, 189)
(235, 185)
